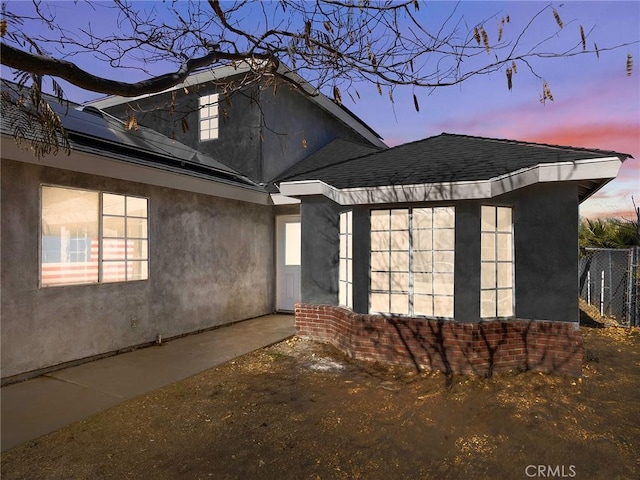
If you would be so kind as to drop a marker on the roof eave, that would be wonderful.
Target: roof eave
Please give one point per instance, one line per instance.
(137, 171)
(591, 174)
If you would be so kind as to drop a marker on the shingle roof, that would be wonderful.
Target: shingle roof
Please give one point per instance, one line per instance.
(443, 158)
(333, 153)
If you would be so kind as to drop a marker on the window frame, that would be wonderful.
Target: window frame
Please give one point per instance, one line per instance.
(345, 263)
(205, 114)
(412, 249)
(496, 262)
(126, 239)
(99, 225)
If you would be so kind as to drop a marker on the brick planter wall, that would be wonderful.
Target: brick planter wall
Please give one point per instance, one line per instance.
(450, 346)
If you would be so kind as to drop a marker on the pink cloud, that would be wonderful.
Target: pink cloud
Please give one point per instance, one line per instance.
(590, 117)
(587, 115)
(621, 137)
(593, 113)
(394, 141)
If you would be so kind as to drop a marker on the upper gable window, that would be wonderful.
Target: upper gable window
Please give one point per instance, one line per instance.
(209, 117)
(92, 237)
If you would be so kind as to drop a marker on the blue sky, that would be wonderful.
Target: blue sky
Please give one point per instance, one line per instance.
(596, 105)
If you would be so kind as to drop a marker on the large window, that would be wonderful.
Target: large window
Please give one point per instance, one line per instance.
(412, 261)
(496, 296)
(345, 289)
(209, 117)
(92, 237)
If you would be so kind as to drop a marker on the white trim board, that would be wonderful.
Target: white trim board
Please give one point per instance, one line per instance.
(604, 169)
(107, 167)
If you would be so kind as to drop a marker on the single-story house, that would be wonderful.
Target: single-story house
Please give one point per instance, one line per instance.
(455, 252)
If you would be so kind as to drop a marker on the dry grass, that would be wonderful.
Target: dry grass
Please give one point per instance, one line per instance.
(302, 410)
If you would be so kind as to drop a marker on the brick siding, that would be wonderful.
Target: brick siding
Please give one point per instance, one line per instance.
(449, 346)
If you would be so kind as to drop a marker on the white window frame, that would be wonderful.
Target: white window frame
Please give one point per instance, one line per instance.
(126, 242)
(497, 262)
(345, 282)
(402, 287)
(208, 125)
(126, 256)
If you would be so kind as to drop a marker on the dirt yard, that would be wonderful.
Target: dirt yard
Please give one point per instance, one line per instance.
(300, 410)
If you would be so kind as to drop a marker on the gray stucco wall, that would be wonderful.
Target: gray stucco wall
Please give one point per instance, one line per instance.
(211, 262)
(361, 258)
(545, 220)
(238, 144)
(261, 133)
(546, 248)
(466, 284)
(320, 248)
(289, 117)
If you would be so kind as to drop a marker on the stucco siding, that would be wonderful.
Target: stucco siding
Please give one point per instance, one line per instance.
(294, 128)
(546, 252)
(467, 262)
(320, 247)
(545, 222)
(239, 121)
(262, 132)
(210, 262)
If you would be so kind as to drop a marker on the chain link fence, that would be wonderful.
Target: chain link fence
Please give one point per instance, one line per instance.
(610, 281)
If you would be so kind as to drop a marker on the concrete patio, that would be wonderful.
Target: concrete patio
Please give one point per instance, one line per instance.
(44, 404)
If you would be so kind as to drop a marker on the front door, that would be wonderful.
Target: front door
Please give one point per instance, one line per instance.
(288, 262)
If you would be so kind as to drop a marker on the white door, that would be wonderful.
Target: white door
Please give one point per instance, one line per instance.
(288, 262)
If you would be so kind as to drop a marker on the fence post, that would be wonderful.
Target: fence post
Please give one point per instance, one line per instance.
(635, 284)
(602, 293)
(629, 286)
(610, 285)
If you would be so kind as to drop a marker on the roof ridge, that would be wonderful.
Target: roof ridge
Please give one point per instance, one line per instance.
(537, 144)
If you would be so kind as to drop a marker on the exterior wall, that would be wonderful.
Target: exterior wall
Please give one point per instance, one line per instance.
(210, 259)
(261, 133)
(361, 258)
(543, 335)
(452, 347)
(238, 144)
(545, 247)
(466, 286)
(289, 118)
(320, 245)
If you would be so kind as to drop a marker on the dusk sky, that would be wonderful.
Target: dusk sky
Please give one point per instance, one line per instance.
(596, 104)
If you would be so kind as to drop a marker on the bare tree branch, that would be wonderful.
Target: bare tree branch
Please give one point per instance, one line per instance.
(335, 45)
(42, 65)
(330, 43)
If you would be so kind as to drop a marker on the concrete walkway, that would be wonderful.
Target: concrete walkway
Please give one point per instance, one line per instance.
(44, 404)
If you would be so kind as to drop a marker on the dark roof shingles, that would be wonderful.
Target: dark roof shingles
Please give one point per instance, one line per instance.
(443, 158)
(332, 154)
